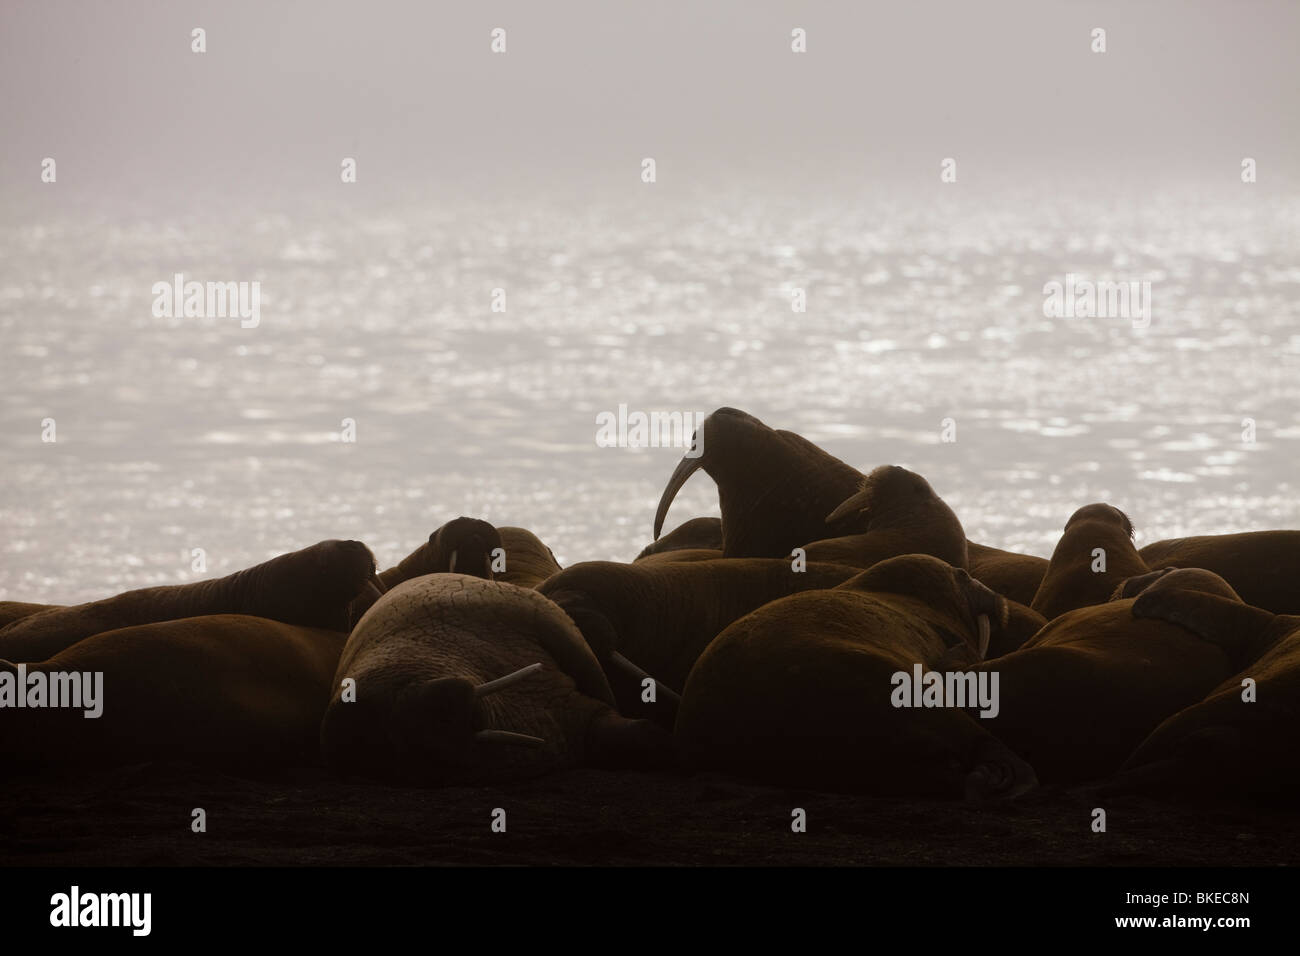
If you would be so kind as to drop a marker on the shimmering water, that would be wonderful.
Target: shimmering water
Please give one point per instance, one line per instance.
(175, 434)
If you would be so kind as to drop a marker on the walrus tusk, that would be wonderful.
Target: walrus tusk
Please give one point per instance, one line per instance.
(622, 672)
(508, 737)
(858, 502)
(620, 664)
(377, 583)
(685, 468)
(492, 686)
(452, 564)
(619, 660)
(985, 630)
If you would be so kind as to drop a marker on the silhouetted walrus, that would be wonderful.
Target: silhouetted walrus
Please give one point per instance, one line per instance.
(463, 545)
(775, 488)
(1090, 685)
(804, 691)
(225, 690)
(654, 619)
(1240, 741)
(1261, 566)
(312, 588)
(1075, 576)
(459, 679)
(900, 514)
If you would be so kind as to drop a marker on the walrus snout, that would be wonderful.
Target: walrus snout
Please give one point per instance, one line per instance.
(438, 719)
(444, 718)
(465, 546)
(349, 550)
(998, 774)
(346, 561)
(883, 486)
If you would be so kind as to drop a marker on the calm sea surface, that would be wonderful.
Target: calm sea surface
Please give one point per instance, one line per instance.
(175, 433)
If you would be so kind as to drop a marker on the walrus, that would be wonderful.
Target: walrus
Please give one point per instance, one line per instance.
(11, 611)
(1262, 566)
(802, 692)
(466, 545)
(1239, 742)
(224, 690)
(458, 679)
(652, 621)
(1090, 685)
(899, 514)
(681, 556)
(528, 561)
(1095, 533)
(463, 545)
(695, 534)
(312, 588)
(775, 488)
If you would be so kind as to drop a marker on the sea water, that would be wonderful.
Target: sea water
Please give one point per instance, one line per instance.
(380, 394)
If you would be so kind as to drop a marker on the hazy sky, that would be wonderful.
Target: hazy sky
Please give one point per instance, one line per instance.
(710, 89)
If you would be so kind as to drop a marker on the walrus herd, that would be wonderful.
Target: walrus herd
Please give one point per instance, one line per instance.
(833, 629)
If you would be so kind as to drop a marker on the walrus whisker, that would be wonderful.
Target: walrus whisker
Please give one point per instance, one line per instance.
(509, 737)
(492, 686)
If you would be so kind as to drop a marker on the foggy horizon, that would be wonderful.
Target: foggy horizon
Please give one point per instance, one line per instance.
(412, 91)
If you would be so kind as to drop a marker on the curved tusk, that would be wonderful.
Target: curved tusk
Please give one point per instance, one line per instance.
(508, 737)
(377, 583)
(492, 686)
(985, 630)
(453, 562)
(859, 502)
(685, 468)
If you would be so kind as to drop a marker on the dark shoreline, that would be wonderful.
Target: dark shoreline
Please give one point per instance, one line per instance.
(140, 816)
